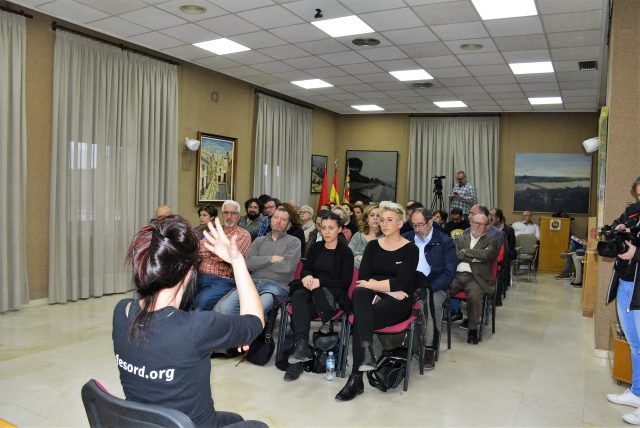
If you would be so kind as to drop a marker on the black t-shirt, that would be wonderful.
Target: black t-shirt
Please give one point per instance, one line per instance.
(171, 367)
(454, 229)
(398, 266)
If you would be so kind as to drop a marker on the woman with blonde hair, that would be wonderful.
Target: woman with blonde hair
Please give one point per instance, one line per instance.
(370, 230)
(384, 292)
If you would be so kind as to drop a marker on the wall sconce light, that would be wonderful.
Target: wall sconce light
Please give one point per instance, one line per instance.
(191, 144)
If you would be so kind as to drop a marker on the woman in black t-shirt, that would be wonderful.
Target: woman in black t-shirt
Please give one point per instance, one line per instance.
(161, 351)
(383, 297)
(325, 279)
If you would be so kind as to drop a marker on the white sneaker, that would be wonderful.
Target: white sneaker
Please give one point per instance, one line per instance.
(627, 398)
(632, 418)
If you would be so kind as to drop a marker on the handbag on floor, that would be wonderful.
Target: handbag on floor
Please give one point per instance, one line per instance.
(390, 371)
(323, 342)
(261, 349)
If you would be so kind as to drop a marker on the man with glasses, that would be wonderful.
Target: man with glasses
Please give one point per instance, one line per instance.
(476, 252)
(270, 207)
(436, 267)
(215, 276)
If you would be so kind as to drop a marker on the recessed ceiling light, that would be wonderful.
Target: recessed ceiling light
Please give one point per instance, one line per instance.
(365, 42)
(421, 85)
(368, 107)
(407, 75)
(192, 9)
(471, 46)
(345, 26)
(545, 100)
(450, 104)
(531, 67)
(312, 84)
(222, 46)
(498, 9)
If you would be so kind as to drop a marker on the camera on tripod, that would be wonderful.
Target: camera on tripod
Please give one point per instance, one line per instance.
(614, 240)
(437, 183)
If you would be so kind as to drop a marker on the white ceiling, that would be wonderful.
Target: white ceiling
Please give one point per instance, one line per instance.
(413, 33)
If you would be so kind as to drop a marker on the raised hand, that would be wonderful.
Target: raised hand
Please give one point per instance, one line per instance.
(219, 244)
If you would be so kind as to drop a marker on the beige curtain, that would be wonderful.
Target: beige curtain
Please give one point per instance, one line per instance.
(114, 160)
(283, 150)
(14, 291)
(444, 145)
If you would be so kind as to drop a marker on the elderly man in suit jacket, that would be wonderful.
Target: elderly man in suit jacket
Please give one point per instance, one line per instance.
(476, 253)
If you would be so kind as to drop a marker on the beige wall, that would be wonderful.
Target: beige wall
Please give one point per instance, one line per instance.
(623, 154)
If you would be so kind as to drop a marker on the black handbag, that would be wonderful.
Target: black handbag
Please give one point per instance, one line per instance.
(261, 349)
(323, 343)
(325, 303)
(390, 369)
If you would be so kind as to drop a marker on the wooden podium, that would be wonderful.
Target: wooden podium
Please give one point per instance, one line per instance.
(554, 239)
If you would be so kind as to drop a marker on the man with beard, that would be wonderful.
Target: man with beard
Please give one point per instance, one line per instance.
(272, 261)
(215, 276)
(252, 221)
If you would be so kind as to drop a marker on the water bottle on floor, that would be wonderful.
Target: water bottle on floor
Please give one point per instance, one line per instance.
(331, 366)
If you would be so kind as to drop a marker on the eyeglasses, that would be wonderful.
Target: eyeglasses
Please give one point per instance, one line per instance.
(418, 225)
(476, 223)
(230, 212)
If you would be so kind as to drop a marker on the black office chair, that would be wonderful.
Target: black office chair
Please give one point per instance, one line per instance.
(105, 410)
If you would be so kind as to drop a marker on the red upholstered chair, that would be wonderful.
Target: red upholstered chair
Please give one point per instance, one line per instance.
(407, 326)
(341, 317)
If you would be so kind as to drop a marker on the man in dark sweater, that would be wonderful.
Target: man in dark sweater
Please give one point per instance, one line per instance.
(436, 268)
(457, 225)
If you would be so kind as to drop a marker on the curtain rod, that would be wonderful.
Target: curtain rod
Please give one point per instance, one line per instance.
(457, 115)
(283, 98)
(16, 12)
(55, 27)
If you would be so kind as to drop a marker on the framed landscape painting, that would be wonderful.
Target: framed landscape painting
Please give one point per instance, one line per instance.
(215, 180)
(373, 175)
(552, 182)
(318, 164)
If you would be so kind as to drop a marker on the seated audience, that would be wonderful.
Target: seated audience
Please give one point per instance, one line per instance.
(526, 226)
(496, 216)
(358, 211)
(457, 225)
(436, 267)
(163, 211)
(270, 206)
(295, 229)
(206, 214)
(325, 280)
(370, 231)
(406, 227)
(358, 202)
(272, 260)
(252, 221)
(215, 276)
(324, 207)
(476, 253)
(351, 222)
(384, 295)
(440, 218)
(306, 220)
(162, 352)
(343, 215)
(492, 232)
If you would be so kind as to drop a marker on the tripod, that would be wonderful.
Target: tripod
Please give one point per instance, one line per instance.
(437, 203)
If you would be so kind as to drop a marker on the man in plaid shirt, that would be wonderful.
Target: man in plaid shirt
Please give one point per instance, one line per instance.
(463, 195)
(215, 276)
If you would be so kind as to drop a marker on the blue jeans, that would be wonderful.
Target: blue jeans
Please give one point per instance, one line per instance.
(230, 304)
(210, 289)
(630, 322)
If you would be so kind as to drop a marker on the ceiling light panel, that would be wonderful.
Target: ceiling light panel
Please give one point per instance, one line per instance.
(499, 9)
(545, 100)
(450, 104)
(345, 26)
(367, 107)
(222, 46)
(312, 83)
(409, 75)
(531, 67)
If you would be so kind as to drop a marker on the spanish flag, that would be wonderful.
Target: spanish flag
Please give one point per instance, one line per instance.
(324, 193)
(347, 185)
(334, 196)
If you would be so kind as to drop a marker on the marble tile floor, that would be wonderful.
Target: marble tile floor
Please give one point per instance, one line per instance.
(539, 369)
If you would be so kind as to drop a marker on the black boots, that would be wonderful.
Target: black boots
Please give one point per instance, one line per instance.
(300, 353)
(354, 387)
(293, 372)
(368, 358)
(472, 337)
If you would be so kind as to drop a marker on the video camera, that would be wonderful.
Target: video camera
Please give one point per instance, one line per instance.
(437, 183)
(614, 240)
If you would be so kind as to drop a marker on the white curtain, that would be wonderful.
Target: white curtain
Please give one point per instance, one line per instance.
(14, 291)
(283, 150)
(114, 160)
(442, 146)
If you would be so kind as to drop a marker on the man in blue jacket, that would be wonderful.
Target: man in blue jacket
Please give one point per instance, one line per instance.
(436, 269)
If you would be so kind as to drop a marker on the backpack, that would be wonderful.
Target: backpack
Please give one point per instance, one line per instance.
(390, 369)
(323, 343)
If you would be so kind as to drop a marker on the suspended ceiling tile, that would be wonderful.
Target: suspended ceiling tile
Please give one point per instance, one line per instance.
(383, 54)
(392, 19)
(187, 52)
(487, 45)
(249, 57)
(438, 61)
(536, 78)
(575, 38)
(555, 6)
(576, 75)
(501, 96)
(359, 6)
(118, 27)
(259, 39)
(536, 55)
(74, 12)
(362, 68)
(190, 33)
(422, 50)
(411, 36)
(152, 17)
(228, 25)
(584, 84)
(449, 72)
(173, 7)
(469, 30)
(451, 82)
(239, 5)
(324, 46)
(377, 78)
(342, 58)
(241, 71)
(577, 21)
(576, 53)
(299, 33)
(488, 70)
(306, 62)
(217, 62)
(521, 43)
(270, 17)
(447, 13)
(284, 52)
(306, 9)
(512, 87)
(475, 89)
(112, 7)
(155, 40)
(326, 72)
(273, 67)
(499, 79)
(514, 26)
(481, 58)
(550, 86)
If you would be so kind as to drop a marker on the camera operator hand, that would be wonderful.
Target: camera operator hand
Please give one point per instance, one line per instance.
(628, 255)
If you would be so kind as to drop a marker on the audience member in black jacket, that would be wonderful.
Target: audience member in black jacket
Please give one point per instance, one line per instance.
(324, 282)
(384, 292)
